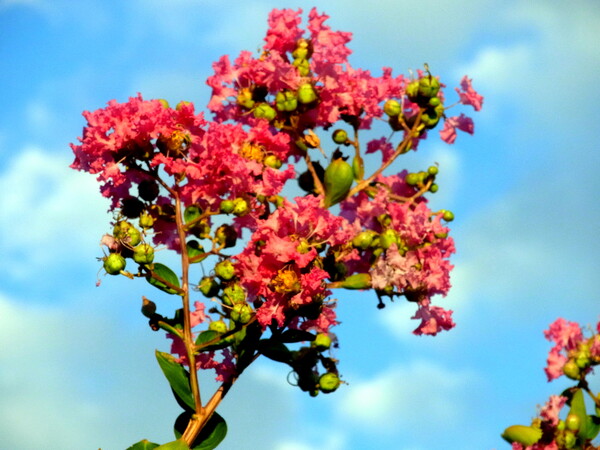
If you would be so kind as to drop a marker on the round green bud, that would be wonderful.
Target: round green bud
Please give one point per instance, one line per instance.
(561, 425)
(573, 422)
(340, 136)
(364, 239)
(429, 86)
(302, 65)
(208, 286)
(143, 254)
(273, 162)
(412, 179)
(226, 206)
(387, 238)
(146, 221)
(433, 188)
(300, 53)
(322, 342)
(412, 90)
(432, 170)
(329, 382)
(303, 247)
(392, 108)
(570, 439)
(244, 98)
(225, 270)
(181, 104)
(435, 101)
(241, 313)
(571, 370)
(240, 207)
(127, 233)
(234, 294)
(219, 326)
(114, 263)
(448, 216)
(164, 103)
(306, 93)
(265, 111)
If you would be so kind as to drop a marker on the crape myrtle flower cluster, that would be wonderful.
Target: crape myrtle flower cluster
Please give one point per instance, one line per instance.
(197, 186)
(573, 356)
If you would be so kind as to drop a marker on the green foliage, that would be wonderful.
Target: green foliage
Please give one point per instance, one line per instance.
(178, 378)
(213, 432)
(165, 274)
(144, 444)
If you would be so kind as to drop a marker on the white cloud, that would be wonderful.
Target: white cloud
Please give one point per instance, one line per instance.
(49, 207)
(393, 400)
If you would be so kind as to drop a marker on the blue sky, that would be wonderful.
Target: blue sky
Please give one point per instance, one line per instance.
(76, 362)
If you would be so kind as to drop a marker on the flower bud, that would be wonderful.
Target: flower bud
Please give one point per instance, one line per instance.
(226, 206)
(363, 239)
(337, 180)
(387, 238)
(127, 233)
(429, 86)
(570, 439)
(225, 270)
(234, 294)
(392, 108)
(340, 136)
(573, 422)
(240, 207)
(272, 161)
(148, 307)
(432, 170)
(208, 286)
(448, 216)
(357, 281)
(522, 434)
(412, 90)
(114, 263)
(265, 111)
(143, 254)
(219, 326)
(146, 221)
(571, 370)
(241, 313)
(329, 382)
(322, 342)
(306, 93)
(412, 179)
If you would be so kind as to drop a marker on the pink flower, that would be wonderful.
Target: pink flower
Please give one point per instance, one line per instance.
(566, 336)
(552, 408)
(283, 32)
(462, 122)
(468, 95)
(433, 319)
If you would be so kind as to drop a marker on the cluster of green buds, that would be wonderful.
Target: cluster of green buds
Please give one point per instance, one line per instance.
(423, 179)
(581, 359)
(126, 242)
(424, 92)
(301, 55)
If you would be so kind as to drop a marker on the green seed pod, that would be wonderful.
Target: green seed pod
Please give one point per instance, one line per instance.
(412, 90)
(412, 179)
(357, 281)
(432, 170)
(226, 206)
(209, 286)
(322, 342)
(127, 233)
(392, 108)
(164, 103)
(573, 422)
(571, 370)
(241, 313)
(429, 86)
(273, 162)
(225, 270)
(364, 239)
(302, 65)
(340, 136)
(387, 238)
(522, 434)
(114, 264)
(146, 221)
(358, 168)
(448, 216)
(265, 111)
(219, 326)
(240, 207)
(234, 294)
(329, 382)
(143, 254)
(306, 93)
(434, 188)
(434, 101)
(337, 180)
(570, 439)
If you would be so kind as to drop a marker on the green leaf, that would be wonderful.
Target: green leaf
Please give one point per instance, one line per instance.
(290, 336)
(211, 435)
(522, 434)
(178, 378)
(174, 445)
(144, 444)
(578, 408)
(592, 428)
(275, 350)
(208, 336)
(166, 274)
(191, 213)
(195, 251)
